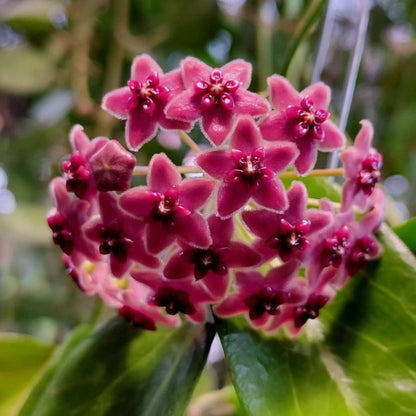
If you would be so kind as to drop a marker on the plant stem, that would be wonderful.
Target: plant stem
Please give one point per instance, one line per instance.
(189, 141)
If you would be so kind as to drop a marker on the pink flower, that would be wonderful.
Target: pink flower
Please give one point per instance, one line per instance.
(287, 234)
(77, 172)
(362, 164)
(67, 222)
(175, 296)
(262, 298)
(143, 101)
(301, 118)
(168, 206)
(119, 235)
(216, 96)
(210, 266)
(248, 170)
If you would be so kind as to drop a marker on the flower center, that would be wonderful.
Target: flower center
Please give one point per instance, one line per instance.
(249, 168)
(166, 207)
(290, 237)
(173, 300)
(362, 252)
(206, 260)
(335, 248)
(217, 91)
(370, 174)
(114, 242)
(61, 232)
(310, 310)
(76, 175)
(307, 119)
(267, 300)
(144, 95)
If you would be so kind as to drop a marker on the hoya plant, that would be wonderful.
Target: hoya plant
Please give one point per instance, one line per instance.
(249, 239)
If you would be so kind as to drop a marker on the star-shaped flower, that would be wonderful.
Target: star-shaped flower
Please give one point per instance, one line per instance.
(143, 100)
(287, 234)
(216, 96)
(303, 119)
(262, 298)
(210, 266)
(175, 295)
(362, 164)
(119, 235)
(248, 170)
(168, 206)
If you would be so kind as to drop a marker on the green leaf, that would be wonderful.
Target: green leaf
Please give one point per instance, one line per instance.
(360, 359)
(407, 232)
(25, 70)
(121, 370)
(21, 358)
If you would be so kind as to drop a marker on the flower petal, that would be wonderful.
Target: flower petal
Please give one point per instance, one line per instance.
(137, 201)
(232, 197)
(334, 138)
(194, 192)
(238, 70)
(247, 102)
(221, 229)
(246, 136)
(282, 93)
(143, 66)
(280, 155)
(116, 102)
(163, 174)
(193, 229)
(194, 70)
(140, 128)
(307, 157)
(158, 237)
(185, 107)
(177, 267)
(271, 194)
(217, 124)
(240, 255)
(319, 93)
(216, 162)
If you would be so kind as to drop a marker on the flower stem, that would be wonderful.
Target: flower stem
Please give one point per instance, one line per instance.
(314, 173)
(187, 139)
(142, 170)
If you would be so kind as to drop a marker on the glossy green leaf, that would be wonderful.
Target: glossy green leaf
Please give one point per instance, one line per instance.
(407, 232)
(361, 359)
(21, 358)
(121, 370)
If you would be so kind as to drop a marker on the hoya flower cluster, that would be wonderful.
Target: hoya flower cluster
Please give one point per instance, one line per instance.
(232, 238)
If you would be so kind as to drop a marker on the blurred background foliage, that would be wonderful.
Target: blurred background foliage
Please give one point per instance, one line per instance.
(58, 58)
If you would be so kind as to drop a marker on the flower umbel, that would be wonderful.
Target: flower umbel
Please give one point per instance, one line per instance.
(232, 230)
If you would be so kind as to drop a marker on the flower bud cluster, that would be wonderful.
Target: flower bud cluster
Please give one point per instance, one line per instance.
(234, 238)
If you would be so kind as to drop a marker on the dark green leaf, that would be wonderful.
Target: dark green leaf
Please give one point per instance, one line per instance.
(21, 358)
(362, 362)
(121, 370)
(407, 232)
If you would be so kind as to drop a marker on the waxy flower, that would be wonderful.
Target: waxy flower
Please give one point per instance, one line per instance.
(67, 222)
(303, 119)
(362, 164)
(248, 170)
(143, 101)
(216, 96)
(119, 235)
(287, 234)
(262, 298)
(210, 266)
(168, 206)
(175, 296)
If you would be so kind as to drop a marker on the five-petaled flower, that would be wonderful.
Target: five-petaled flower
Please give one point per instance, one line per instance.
(248, 170)
(301, 118)
(168, 206)
(143, 100)
(216, 96)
